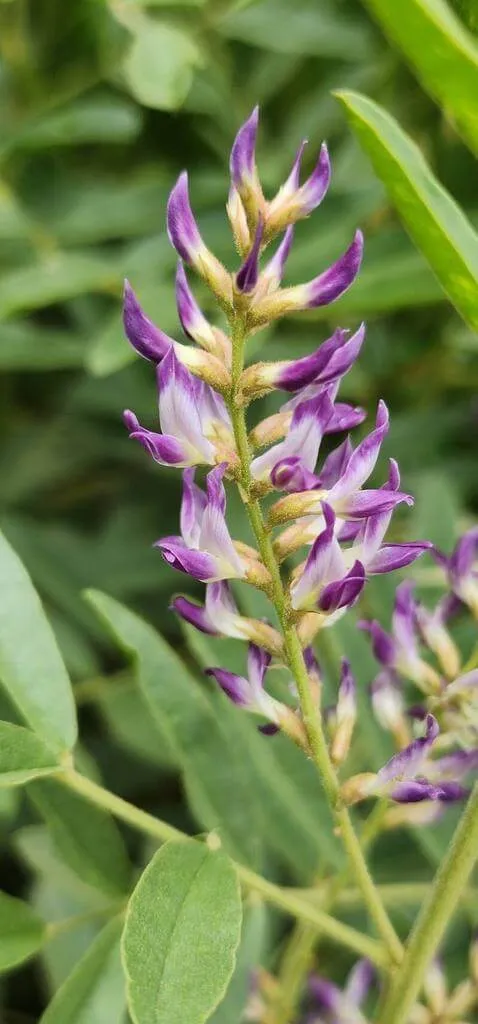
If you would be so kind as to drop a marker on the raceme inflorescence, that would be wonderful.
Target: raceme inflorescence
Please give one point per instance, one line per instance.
(318, 524)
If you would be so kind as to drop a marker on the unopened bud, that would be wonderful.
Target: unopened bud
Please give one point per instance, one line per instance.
(238, 222)
(292, 506)
(270, 430)
(205, 366)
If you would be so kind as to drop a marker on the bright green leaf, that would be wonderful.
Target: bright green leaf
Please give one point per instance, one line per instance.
(433, 219)
(181, 934)
(23, 756)
(159, 66)
(441, 51)
(86, 837)
(94, 993)
(22, 932)
(31, 668)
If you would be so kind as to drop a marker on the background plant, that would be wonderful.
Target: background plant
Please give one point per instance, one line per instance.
(87, 162)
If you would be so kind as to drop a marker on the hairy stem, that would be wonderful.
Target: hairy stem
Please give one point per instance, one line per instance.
(434, 916)
(293, 651)
(274, 894)
(297, 960)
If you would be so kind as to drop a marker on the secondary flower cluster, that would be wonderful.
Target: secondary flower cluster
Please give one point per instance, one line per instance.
(330, 1004)
(331, 510)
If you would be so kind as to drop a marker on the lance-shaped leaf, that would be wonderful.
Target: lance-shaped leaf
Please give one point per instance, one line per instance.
(433, 219)
(31, 667)
(23, 756)
(182, 931)
(441, 51)
(95, 991)
(22, 932)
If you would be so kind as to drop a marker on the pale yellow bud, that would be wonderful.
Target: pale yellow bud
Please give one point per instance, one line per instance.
(358, 787)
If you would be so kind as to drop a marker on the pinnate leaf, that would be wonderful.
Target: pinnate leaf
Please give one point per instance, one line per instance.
(22, 932)
(23, 756)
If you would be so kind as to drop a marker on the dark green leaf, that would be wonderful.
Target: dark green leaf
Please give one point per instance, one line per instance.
(22, 932)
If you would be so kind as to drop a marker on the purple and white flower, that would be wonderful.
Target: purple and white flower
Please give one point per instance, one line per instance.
(321, 291)
(302, 443)
(461, 569)
(399, 650)
(343, 716)
(305, 376)
(220, 616)
(249, 693)
(294, 201)
(205, 549)
(185, 236)
(325, 583)
(341, 1006)
(195, 424)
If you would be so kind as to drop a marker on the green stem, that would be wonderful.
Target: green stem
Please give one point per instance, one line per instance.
(297, 959)
(434, 916)
(295, 658)
(283, 898)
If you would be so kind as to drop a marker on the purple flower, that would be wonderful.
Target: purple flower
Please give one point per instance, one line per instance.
(309, 375)
(342, 1006)
(243, 170)
(195, 424)
(324, 582)
(249, 692)
(147, 339)
(219, 616)
(294, 201)
(321, 291)
(302, 444)
(205, 549)
(193, 321)
(184, 235)
(412, 776)
(344, 714)
(399, 650)
(462, 568)
(248, 274)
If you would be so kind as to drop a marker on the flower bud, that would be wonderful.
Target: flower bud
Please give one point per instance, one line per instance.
(194, 323)
(345, 715)
(185, 236)
(244, 172)
(293, 202)
(238, 221)
(273, 428)
(358, 787)
(292, 506)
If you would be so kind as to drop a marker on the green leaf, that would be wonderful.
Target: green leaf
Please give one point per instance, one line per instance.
(31, 667)
(249, 958)
(129, 720)
(23, 756)
(104, 119)
(86, 837)
(25, 346)
(183, 714)
(22, 932)
(433, 219)
(441, 51)
(301, 28)
(181, 934)
(159, 66)
(436, 512)
(94, 993)
(59, 276)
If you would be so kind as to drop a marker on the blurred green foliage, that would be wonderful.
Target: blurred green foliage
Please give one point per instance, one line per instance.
(101, 105)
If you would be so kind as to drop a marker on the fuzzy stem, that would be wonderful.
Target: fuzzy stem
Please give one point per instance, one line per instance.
(274, 894)
(434, 916)
(293, 650)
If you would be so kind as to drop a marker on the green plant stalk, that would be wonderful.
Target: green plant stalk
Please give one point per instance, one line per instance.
(271, 893)
(293, 650)
(297, 960)
(436, 912)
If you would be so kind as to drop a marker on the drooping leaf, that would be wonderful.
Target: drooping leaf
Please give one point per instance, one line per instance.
(181, 711)
(22, 932)
(23, 756)
(31, 668)
(181, 934)
(435, 222)
(95, 991)
(441, 51)
(86, 837)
